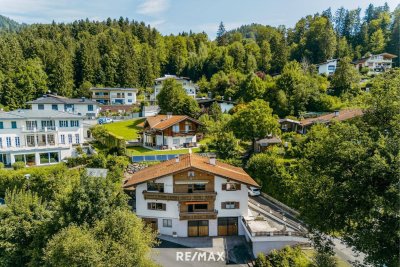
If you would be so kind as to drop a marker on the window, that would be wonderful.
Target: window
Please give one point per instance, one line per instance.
(41, 107)
(231, 186)
(31, 125)
(8, 141)
(14, 125)
(17, 141)
(68, 107)
(167, 223)
(62, 139)
(175, 128)
(1, 142)
(230, 205)
(54, 107)
(155, 187)
(188, 140)
(51, 139)
(1, 125)
(49, 124)
(129, 94)
(51, 157)
(75, 123)
(130, 100)
(175, 142)
(188, 127)
(70, 138)
(90, 107)
(156, 206)
(199, 187)
(63, 123)
(77, 141)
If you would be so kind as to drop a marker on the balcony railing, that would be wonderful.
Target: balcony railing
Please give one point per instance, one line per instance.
(39, 129)
(203, 196)
(184, 133)
(199, 215)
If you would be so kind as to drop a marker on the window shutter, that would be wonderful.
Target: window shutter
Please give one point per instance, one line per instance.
(149, 206)
(223, 186)
(164, 206)
(223, 205)
(238, 186)
(237, 204)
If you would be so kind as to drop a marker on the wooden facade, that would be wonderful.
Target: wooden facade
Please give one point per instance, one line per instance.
(183, 183)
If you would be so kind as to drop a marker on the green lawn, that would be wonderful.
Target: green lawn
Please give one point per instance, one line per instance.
(126, 129)
(142, 151)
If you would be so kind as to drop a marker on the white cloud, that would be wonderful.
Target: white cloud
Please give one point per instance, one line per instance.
(153, 7)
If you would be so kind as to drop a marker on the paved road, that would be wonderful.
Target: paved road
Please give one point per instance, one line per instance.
(344, 252)
(207, 251)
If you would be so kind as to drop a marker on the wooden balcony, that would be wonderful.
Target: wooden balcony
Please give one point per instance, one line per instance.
(199, 215)
(183, 133)
(203, 196)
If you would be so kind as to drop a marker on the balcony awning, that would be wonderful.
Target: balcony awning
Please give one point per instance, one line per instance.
(192, 182)
(196, 202)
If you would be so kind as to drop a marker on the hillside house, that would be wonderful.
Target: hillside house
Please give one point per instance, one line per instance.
(192, 196)
(169, 131)
(38, 137)
(80, 106)
(189, 87)
(376, 63)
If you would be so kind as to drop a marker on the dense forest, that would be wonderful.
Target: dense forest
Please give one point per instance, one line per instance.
(9, 25)
(70, 58)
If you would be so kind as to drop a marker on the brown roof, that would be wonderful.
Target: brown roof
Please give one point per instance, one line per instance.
(343, 115)
(187, 162)
(161, 122)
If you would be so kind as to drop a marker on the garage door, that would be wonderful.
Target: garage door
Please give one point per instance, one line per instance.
(227, 226)
(198, 228)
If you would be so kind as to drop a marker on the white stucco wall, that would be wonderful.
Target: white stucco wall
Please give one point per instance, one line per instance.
(237, 196)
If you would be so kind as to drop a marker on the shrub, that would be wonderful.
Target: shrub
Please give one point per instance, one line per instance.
(1, 165)
(18, 165)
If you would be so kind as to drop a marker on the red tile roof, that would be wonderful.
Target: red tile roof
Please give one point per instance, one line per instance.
(187, 162)
(343, 115)
(161, 122)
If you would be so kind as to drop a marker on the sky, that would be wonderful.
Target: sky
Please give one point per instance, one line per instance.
(174, 16)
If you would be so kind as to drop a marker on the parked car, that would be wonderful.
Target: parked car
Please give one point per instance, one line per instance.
(105, 120)
(254, 191)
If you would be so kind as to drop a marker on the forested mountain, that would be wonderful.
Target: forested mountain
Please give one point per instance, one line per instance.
(9, 25)
(69, 58)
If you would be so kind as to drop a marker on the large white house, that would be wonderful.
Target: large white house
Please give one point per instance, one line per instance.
(186, 83)
(39, 137)
(376, 63)
(80, 106)
(192, 195)
(328, 67)
(114, 96)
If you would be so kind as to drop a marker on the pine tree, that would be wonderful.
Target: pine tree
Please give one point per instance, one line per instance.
(221, 35)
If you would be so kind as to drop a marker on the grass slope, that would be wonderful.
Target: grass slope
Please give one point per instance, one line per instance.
(126, 129)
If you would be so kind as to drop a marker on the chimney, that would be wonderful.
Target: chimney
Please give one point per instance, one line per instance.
(213, 159)
(82, 99)
(169, 115)
(336, 113)
(176, 158)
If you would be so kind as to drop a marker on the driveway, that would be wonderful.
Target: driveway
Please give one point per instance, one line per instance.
(202, 251)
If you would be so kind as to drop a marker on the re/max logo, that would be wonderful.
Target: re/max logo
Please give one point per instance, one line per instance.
(199, 256)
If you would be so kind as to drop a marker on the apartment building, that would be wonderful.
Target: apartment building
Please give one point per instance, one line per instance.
(39, 137)
(114, 96)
